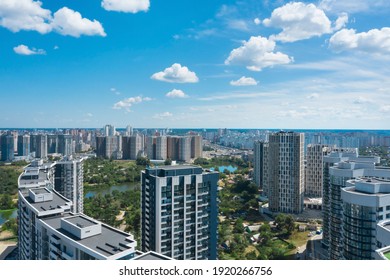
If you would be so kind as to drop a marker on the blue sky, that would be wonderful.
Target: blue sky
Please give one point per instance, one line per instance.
(195, 64)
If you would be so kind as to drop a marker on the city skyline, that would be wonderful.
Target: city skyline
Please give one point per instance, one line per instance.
(195, 64)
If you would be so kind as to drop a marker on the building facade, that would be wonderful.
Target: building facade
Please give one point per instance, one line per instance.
(48, 230)
(286, 172)
(179, 212)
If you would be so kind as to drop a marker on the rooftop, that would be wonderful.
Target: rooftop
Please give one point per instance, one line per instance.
(81, 221)
(58, 202)
(108, 243)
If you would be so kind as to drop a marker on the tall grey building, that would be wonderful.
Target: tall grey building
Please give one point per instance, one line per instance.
(23, 145)
(314, 169)
(7, 147)
(41, 146)
(179, 212)
(52, 143)
(133, 146)
(286, 172)
(260, 168)
(156, 147)
(65, 143)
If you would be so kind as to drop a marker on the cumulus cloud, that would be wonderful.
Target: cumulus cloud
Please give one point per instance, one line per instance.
(163, 115)
(244, 81)
(257, 21)
(385, 108)
(302, 21)
(128, 102)
(17, 15)
(25, 50)
(374, 41)
(127, 6)
(69, 22)
(176, 93)
(257, 53)
(362, 100)
(176, 74)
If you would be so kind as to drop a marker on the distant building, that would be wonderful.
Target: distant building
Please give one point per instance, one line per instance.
(314, 169)
(52, 143)
(23, 145)
(156, 147)
(196, 146)
(260, 168)
(179, 212)
(286, 172)
(7, 147)
(65, 144)
(133, 146)
(41, 146)
(109, 147)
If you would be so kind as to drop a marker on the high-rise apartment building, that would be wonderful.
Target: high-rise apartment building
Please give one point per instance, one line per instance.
(109, 147)
(314, 169)
(184, 149)
(23, 145)
(260, 168)
(196, 146)
(366, 202)
(133, 146)
(286, 172)
(52, 143)
(68, 181)
(65, 144)
(339, 174)
(41, 146)
(179, 212)
(156, 147)
(48, 230)
(7, 147)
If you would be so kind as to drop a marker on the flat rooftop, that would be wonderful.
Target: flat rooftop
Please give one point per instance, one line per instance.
(81, 221)
(44, 206)
(108, 243)
(40, 191)
(175, 167)
(33, 175)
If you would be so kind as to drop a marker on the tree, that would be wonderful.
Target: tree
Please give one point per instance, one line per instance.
(168, 161)
(6, 202)
(239, 227)
(143, 161)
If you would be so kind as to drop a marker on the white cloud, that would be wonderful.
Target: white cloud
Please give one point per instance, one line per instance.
(17, 15)
(257, 53)
(374, 41)
(244, 81)
(69, 22)
(341, 21)
(237, 24)
(128, 102)
(257, 21)
(163, 115)
(127, 6)
(352, 6)
(25, 50)
(299, 21)
(176, 93)
(176, 74)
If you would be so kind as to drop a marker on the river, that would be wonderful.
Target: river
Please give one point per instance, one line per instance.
(5, 215)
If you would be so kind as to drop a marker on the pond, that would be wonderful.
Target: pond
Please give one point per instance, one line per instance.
(222, 168)
(109, 190)
(6, 215)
